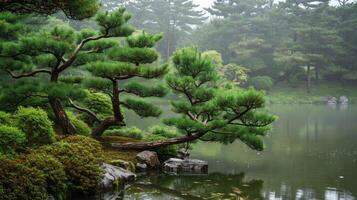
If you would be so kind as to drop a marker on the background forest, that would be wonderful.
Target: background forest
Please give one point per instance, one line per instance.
(289, 48)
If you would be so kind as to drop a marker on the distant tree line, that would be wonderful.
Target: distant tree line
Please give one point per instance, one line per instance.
(292, 41)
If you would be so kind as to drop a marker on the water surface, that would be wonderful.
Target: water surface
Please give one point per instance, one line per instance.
(310, 154)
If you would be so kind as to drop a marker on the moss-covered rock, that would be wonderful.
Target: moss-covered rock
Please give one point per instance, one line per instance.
(123, 164)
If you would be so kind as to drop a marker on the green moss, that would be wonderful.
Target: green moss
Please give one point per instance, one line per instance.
(81, 157)
(52, 170)
(123, 164)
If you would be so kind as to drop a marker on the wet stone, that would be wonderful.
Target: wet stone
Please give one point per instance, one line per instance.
(188, 166)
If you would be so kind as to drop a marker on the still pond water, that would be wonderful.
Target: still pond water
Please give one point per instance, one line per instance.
(310, 154)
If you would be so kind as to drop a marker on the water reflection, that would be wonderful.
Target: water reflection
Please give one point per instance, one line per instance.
(310, 154)
(212, 186)
(300, 194)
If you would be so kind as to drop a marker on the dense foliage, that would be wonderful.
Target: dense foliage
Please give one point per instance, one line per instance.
(18, 181)
(294, 42)
(74, 9)
(11, 139)
(66, 167)
(81, 158)
(35, 123)
(52, 170)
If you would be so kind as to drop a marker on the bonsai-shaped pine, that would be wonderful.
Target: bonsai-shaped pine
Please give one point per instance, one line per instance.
(207, 112)
(51, 52)
(75, 9)
(119, 73)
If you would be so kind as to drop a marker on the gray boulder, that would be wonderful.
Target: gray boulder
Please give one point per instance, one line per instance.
(149, 158)
(332, 100)
(115, 175)
(190, 166)
(343, 100)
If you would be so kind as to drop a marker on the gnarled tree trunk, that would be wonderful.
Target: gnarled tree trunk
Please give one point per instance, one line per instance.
(110, 121)
(157, 144)
(61, 116)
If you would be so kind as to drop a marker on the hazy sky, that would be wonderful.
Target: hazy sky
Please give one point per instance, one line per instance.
(203, 3)
(207, 3)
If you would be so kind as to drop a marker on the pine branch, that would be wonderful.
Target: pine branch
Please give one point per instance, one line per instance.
(33, 73)
(79, 47)
(89, 112)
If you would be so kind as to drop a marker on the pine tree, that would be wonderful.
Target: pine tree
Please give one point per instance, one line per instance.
(75, 9)
(43, 56)
(207, 112)
(175, 18)
(315, 43)
(118, 74)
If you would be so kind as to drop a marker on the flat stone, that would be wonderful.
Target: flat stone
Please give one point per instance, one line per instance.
(191, 166)
(114, 175)
(150, 158)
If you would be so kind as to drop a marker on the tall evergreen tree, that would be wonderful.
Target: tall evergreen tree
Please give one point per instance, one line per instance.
(314, 37)
(175, 18)
(49, 53)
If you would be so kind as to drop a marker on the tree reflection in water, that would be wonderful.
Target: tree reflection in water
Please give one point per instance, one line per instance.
(192, 187)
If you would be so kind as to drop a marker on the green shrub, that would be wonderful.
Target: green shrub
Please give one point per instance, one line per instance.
(167, 150)
(262, 82)
(130, 132)
(167, 132)
(35, 124)
(81, 157)
(5, 118)
(52, 170)
(18, 181)
(81, 127)
(11, 139)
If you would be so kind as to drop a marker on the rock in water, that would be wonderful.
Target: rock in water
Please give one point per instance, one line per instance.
(191, 166)
(149, 158)
(114, 175)
(332, 100)
(343, 100)
(123, 164)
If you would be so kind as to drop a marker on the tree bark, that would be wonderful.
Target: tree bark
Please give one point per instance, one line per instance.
(317, 75)
(308, 81)
(118, 118)
(157, 144)
(61, 116)
(104, 125)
